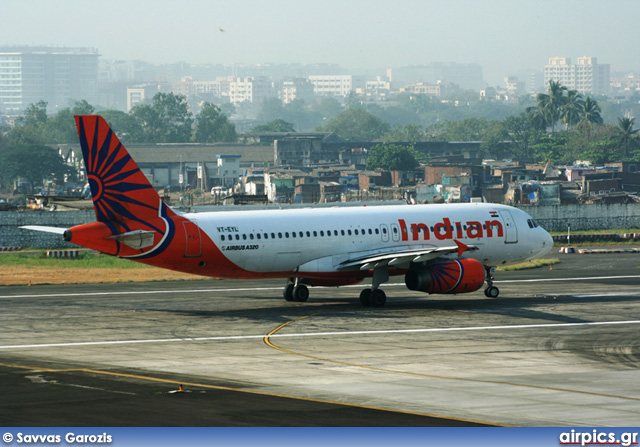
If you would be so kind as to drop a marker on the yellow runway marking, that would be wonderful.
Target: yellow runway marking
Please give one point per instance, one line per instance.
(432, 376)
(239, 390)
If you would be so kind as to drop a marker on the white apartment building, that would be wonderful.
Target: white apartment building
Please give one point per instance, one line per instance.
(587, 76)
(252, 89)
(336, 85)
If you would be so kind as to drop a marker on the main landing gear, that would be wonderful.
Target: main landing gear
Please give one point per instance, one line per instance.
(491, 291)
(294, 291)
(374, 297)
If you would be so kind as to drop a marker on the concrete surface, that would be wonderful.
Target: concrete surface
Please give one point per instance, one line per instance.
(559, 347)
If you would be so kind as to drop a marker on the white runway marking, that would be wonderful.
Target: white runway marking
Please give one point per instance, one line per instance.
(321, 334)
(248, 289)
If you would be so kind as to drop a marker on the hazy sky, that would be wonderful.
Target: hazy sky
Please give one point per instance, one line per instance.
(503, 36)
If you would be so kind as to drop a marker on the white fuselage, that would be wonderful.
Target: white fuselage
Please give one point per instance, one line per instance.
(320, 239)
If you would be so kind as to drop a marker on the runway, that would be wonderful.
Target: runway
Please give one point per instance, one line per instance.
(559, 347)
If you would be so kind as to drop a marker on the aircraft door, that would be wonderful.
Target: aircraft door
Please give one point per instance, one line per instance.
(193, 242)
(510, 228)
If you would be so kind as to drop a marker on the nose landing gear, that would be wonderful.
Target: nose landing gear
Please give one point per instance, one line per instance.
(491, 291)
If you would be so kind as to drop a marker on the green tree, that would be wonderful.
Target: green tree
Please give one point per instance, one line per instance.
(590, 115)
(123, 124)
(572, 108)
(627, 135)
(356, 124)
(35, 115)
(523, 132)
(278, 125)
(33, 163)
(469, 129)
(213, 126)
(550, 104)
(30, 128)
(392, 157)
(166, 120)
(409, 133)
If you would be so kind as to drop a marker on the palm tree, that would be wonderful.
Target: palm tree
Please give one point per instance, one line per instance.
(570, 111)
(590, 115)
(551, 104)
(628, 136)
(591, 112)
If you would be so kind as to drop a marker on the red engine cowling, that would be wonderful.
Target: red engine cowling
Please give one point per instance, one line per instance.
(459, 276)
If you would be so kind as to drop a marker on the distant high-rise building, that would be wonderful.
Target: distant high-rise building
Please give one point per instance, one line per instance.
(58, 76)
(587, 76)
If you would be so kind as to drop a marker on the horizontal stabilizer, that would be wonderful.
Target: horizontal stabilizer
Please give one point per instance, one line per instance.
(55, 230)
(137, 239)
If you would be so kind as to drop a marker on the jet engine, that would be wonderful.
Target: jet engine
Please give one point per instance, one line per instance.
(458, 276)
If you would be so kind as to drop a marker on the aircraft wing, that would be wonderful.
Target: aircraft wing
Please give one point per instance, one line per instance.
(56, 230)
(404, 257)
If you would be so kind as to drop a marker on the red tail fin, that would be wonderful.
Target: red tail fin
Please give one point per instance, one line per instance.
(119, 189)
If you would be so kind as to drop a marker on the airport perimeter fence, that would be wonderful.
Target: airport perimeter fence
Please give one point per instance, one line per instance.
(552, 218)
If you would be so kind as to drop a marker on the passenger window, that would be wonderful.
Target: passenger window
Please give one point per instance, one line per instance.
(301, 234)
(286, 234)
(308, 234)
(293, 234)
(266, 235)
(279, 235)
(244, 237)
(377, 231)
(273, 235)
(342, 232)
(237, 237)
(335, 232)
(349, 232)
(356, 231)
(258, 236)
(222, 238)
(315, 234)
(251, 236)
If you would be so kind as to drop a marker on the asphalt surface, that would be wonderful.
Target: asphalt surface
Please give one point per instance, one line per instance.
(558, 347)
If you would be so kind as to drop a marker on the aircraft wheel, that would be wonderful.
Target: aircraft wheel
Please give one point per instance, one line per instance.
(491, 292)
(378, 298)
(288, 292)
(300, 293)
(365, 296)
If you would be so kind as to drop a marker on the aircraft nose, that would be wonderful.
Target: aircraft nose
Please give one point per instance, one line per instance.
(546, 243)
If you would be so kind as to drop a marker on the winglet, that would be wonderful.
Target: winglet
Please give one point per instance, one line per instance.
(461, 247)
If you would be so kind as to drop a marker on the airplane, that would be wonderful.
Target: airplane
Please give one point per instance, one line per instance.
(440, 249)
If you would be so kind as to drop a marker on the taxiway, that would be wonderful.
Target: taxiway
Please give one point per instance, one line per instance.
(559, 347)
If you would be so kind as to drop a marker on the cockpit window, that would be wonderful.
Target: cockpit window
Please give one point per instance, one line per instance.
(532, 223)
